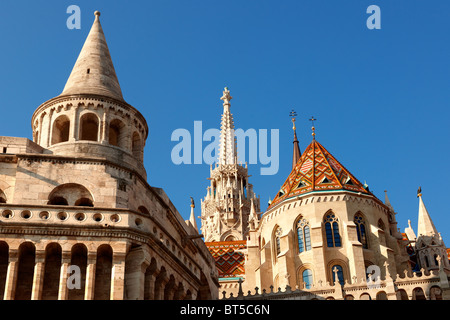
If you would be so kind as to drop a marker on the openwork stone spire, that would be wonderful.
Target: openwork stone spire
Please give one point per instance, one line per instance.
(230, 198)
(227, 149)
(94, 71)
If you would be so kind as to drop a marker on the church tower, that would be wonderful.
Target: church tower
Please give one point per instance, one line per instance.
(229, 199)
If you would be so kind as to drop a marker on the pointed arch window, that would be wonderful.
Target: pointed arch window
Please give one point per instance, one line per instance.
(361, 229)
(332, 230)
(303, 235)
(307, 278)
(339, 273)
(277, 235)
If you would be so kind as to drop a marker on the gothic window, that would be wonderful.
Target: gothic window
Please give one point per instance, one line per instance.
(277, 235)
(381, 225)
(340, 274)
(332, 230)
(303, 236)
(307, 278)
(361, 229)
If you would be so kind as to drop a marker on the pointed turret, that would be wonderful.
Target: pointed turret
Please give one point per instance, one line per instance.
(426, 226)
(192, 217)
(387, 202)
(94, 71)
(296, 154)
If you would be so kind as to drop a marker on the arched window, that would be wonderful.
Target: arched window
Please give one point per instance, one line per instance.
(332, 230)
(340, 274)
(307, 278)
(60, 130)
(117, 133)
(303, 236)
(427, 263)
(381, 225)
(136, 146)
(277, 236)
(89, 127)
(361, 229)
(71, 194)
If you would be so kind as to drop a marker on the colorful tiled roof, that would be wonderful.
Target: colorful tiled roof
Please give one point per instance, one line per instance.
(317, 170)
(230, 260)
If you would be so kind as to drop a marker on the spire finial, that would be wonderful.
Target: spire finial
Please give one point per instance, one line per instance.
(313, 128)
(293, 114)
(226, 96)
(97, 14)
(297, 153)
(419, 192)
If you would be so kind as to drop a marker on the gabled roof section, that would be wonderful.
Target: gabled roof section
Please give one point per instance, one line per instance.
(94, 71)
(317, 170)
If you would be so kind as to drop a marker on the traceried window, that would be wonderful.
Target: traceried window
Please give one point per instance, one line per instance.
(361, 229)
(332, 230)
(303, 236)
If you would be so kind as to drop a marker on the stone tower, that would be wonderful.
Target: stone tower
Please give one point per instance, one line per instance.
(78, 195)
(90, 117)
(229, 199)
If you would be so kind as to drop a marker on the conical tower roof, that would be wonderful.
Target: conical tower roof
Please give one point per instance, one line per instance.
(425, 226)
(94, 71)
(317, 170)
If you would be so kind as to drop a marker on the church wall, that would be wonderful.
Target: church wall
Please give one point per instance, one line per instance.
(350, 255)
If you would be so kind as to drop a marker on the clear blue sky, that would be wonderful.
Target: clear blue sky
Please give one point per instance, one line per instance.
(381, 97)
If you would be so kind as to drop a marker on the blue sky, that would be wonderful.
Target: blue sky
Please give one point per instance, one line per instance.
(381, 97)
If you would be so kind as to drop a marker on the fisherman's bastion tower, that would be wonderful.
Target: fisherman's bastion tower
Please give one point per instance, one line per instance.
(324, 236)
(75, 201)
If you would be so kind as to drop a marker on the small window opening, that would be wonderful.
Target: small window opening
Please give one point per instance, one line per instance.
(88, 71)
(4, 149)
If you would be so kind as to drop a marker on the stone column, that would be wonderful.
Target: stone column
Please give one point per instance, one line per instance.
(104, 134)
(149, 286)
(118, 276)
(160, 284)
(90, 276)
(49, 133)
(63, 292)
(38, 276)
(11, 276)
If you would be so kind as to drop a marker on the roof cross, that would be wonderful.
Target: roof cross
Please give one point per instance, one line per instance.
(293, 114)
(313, 128)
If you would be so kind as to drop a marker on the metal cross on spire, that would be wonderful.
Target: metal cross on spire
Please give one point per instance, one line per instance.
(313, 128)
(293, 114)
